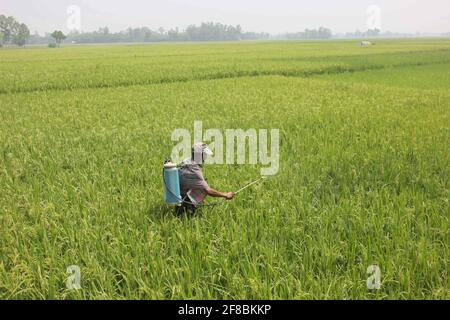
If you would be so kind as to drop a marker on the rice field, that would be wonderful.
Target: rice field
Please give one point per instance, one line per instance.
(363, 180)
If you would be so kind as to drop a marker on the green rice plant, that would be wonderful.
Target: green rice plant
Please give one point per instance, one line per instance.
(363, 180)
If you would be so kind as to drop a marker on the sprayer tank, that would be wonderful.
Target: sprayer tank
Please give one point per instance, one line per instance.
(172, 195)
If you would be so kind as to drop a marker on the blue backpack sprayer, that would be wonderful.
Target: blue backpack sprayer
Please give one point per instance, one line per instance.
(172, 188)
(172, 194)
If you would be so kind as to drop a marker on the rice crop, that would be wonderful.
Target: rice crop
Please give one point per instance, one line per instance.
(363, 180)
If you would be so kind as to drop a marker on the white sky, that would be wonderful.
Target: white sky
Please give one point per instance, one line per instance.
(253, 15)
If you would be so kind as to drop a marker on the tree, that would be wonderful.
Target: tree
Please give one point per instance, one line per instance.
(104, 30)
(58, 36)
(13, 31)
(21, 35)
(209, 31)
(324, 33)
(8, 26)
(373, 32)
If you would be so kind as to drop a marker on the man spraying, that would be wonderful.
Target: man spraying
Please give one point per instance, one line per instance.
(193, 185)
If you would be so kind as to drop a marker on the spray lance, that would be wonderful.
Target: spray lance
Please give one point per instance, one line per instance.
(250, 184)
(260, 179)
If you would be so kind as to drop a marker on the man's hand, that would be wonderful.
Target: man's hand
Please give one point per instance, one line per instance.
(229, 195)
(214, 193)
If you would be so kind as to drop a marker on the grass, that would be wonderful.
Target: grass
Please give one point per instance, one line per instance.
(430, 77)
(364, 171)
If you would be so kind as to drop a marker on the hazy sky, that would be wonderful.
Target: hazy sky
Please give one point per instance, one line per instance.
(253, 15)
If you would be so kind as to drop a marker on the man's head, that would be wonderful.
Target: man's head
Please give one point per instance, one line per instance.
(200, 152)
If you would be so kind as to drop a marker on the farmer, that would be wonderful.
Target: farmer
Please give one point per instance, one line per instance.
(193, 185)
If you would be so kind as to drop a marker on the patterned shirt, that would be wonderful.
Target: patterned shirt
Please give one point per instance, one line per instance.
(191, 179)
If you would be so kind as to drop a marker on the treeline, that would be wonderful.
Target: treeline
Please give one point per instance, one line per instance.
(320, 33)
(208, 31)
(369, 33)
(12, 31)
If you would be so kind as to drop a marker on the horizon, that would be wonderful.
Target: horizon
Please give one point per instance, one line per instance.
(271, 35)
(401, 17)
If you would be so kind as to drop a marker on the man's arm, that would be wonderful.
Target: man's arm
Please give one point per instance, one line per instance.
(214, 193)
